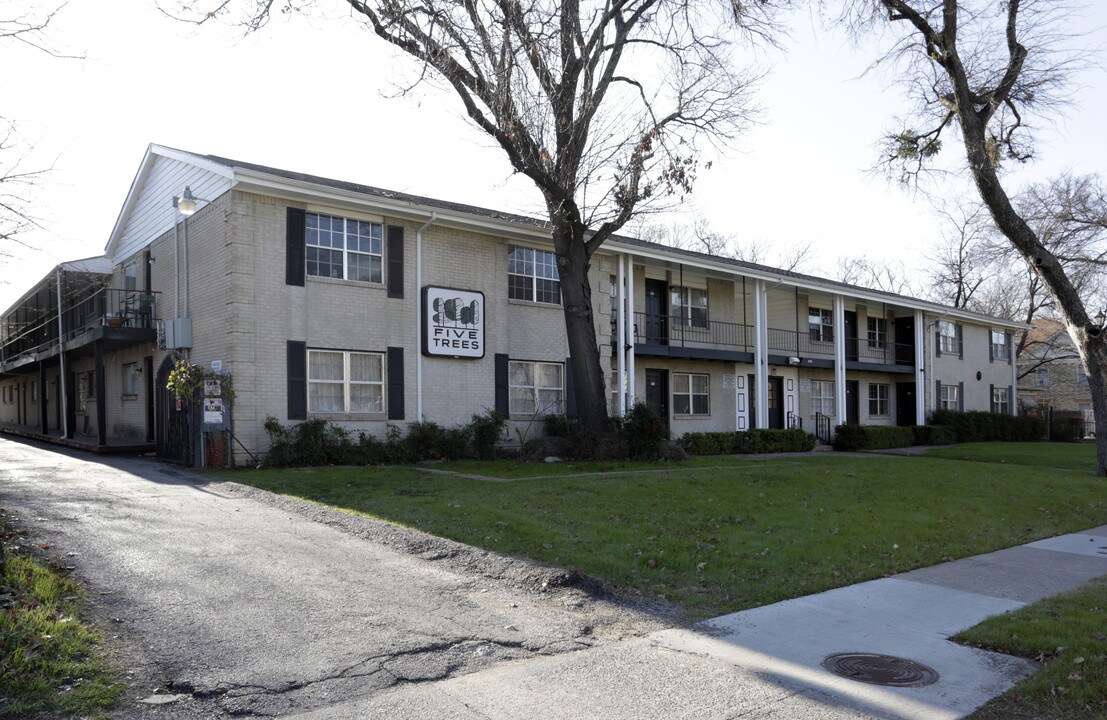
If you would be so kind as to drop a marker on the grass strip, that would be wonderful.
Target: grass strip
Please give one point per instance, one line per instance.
(729, 533)
(1067, 633)
(49, 660)
(1070, 456)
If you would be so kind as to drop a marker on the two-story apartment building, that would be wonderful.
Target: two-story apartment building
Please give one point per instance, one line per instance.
(369, 307)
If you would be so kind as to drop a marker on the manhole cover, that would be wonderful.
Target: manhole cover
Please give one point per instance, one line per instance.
(880, 669)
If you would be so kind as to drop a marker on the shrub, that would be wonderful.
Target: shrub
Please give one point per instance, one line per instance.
(979, 426)
(485, 431)
(872, 437)
(557, 426)
(644, 431)
(932, 435)
(1066, 429)
(746, 442)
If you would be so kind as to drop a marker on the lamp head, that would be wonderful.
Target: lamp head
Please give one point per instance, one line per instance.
(186, 204)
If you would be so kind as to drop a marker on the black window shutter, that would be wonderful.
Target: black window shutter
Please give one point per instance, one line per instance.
(501, 385)
(960, 342)
(938, 339)
(961, 397)
(1011, 400)
(297, 380)
(1007, 338)
(395, 383)
(992, 398)
(570, 391)
(937, 394)
(991, 348)
(295, 229)
(395, 252)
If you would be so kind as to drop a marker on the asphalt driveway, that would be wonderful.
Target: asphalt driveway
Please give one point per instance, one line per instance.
(235, 601)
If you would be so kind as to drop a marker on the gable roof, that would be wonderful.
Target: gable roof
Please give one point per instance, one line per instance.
(252, 176)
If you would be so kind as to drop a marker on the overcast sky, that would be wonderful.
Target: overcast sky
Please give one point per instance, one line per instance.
(316, 96)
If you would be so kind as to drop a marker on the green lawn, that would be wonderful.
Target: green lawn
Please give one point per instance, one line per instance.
(1069, 634)
(1074, 456)
(716, 535)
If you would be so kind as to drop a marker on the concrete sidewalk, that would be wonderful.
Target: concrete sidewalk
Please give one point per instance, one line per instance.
(767, 662)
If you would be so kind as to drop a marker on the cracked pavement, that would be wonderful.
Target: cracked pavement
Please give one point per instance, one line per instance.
(250, 604)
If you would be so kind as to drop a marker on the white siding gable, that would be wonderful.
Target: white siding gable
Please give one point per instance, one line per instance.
(148, 211)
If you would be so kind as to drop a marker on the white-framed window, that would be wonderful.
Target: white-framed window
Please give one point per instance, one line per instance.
(532, 275)
(691, 394)
(1001, 401)
(34, 392)
(689, 306)
(536, 388)
(950, 398)
(878, 399)
(130, 380)
(878, 333)
(342, 381)
(820, 323)
(947, 337)
(999, 345)
(1041, 376)
(822, 397)
(1081, 376)
(344, 248)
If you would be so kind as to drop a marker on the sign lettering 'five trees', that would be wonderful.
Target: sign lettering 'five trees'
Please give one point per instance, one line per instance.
(984, 68)
(602, 104)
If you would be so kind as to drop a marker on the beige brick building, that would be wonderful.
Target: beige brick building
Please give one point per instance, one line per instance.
(374, 308)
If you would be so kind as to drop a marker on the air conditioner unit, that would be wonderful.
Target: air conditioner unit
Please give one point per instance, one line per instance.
(178, 333)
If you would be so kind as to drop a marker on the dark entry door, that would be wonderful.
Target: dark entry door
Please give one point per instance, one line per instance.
(905, 344)
(853, 402)
(171, 420)
(657, 331)
(905, 403)
(776, 402)
(657, 392)
(851, 335)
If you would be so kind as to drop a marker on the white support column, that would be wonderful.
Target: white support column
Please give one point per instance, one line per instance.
(631, 394)
(840, 359)
(1012, 402)
(920, 368)
(760, 412)
(620, 338)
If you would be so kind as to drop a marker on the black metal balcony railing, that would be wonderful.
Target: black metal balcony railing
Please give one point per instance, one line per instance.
(105, 307)
(655, 329)
(694, 332)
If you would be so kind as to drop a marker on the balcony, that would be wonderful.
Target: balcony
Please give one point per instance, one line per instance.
(122, 317)
(678, 336)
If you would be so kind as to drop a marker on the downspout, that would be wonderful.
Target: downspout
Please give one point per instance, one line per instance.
(62, 384)
(176, 271)
(419, 315)
(620, 338)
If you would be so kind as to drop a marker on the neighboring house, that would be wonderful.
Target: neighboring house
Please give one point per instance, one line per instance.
(370, 308)
(1050, 371)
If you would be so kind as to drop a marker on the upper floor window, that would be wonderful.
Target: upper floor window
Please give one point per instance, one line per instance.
(689, 306)
(691, 394)
(1081, 376)
(820, 323)
(130, 277)
(536, 388)
(947, 337)
(878, 333)
(344, 249)
(1042, 376)
(345, 382)
(532, 275)
(999, 345)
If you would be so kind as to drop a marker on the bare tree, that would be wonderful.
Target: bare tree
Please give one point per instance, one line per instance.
(960, 267)
(605, 106)
(982, 70)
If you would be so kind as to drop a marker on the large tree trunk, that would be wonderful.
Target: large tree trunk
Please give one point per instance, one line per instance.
(1087, 336)
(580, 329)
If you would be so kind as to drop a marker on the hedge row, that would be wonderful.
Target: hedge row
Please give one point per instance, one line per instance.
(979, 426)
(747, 442)
(879, 437)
